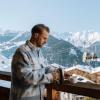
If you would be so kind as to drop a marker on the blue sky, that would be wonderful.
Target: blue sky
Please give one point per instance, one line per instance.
(59, 15)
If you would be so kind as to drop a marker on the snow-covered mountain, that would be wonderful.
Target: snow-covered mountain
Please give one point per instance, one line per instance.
(62, 52)
(60, 48)
(10, 40)
(79, 39)
(95, 47)
(58, 51)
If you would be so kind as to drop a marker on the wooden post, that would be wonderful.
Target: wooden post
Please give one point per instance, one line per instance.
(49, 92)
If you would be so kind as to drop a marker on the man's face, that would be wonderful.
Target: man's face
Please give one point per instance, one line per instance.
(42, 39)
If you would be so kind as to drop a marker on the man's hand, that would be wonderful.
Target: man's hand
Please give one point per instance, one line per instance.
(66, 75)
(56, 75)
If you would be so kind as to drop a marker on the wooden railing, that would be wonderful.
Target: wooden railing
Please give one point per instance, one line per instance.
(86, 89)
(4, 91)
(5, 75)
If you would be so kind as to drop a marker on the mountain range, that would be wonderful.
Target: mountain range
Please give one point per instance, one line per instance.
(62, 48)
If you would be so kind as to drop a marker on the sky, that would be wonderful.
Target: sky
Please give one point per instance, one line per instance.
(59, 15)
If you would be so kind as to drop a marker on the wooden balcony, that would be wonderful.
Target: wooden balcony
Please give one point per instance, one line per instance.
(86, 89)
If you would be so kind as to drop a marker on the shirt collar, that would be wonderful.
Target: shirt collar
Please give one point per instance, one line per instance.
(32, 46)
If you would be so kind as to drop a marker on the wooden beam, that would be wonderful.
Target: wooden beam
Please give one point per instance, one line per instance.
(49, 92)
(5, 75)
(4, 93)
(85, 89)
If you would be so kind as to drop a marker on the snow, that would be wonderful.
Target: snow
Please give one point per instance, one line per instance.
(5, 83)
(98, 59)
(8, 45)
(19, 43)
(80, 67)
(79, 39)
(14, 44)
(78, 78)
(57, 66)
(95, 70)
(19, 35)
(87, 69)
(72, 51)
(2, 58)
(4, 63)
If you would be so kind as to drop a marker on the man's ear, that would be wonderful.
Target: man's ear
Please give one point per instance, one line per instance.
(36, 35)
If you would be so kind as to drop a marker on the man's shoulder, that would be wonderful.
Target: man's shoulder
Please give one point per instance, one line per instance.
(23, 48)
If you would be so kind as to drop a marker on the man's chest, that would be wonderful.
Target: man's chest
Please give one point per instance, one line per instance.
(37, 60)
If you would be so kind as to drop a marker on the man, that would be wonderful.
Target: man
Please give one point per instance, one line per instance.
(30, 71)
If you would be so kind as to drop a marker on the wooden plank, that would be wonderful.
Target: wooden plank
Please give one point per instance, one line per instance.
(49, 92)
(85, 89)
(5, 75)
(4, 93)
(4, 90)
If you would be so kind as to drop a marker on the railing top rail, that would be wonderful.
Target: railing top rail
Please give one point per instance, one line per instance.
(86, 89)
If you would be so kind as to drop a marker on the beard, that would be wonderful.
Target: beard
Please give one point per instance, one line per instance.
(40, 45)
